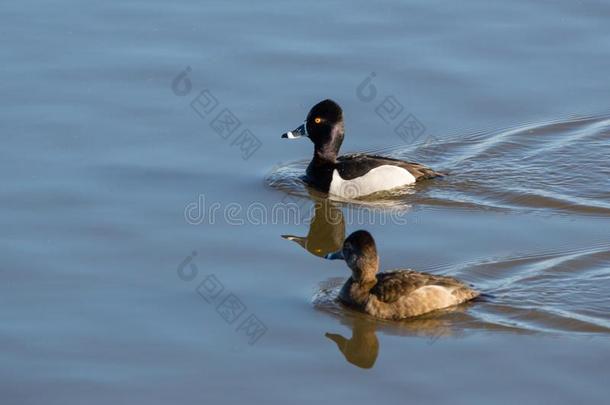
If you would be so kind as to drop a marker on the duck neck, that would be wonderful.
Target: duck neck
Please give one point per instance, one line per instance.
(366, 274)
(323, 156)
(328, 151)
(320, 169)
(360, 289)
(368, 282)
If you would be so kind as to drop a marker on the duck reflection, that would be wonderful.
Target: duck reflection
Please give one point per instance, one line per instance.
(362, 348)
(326, 230)
(326, 235)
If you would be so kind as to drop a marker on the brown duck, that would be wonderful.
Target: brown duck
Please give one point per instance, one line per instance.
(396, 294)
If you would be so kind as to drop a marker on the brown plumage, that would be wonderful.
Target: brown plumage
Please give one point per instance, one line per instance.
(397, 294)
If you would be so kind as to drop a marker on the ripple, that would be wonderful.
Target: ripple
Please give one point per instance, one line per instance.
(558, 167)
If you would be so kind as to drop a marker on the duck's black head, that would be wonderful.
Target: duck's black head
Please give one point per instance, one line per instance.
(360, 252)
(324, 126)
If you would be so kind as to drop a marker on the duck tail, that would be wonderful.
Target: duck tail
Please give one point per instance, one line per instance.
(421, 172)
(430, 174)
(484, 297)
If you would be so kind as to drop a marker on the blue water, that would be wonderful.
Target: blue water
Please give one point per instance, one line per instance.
(102, 155)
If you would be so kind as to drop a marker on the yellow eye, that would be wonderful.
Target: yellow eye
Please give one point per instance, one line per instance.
(317, 120)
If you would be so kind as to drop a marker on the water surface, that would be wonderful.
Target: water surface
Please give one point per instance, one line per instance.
(102, 296)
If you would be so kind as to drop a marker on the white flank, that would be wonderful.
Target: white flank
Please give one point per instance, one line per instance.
(437, 294)
(378, 179)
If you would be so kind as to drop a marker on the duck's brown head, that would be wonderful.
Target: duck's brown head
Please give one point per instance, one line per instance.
(360, 253)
